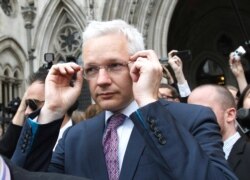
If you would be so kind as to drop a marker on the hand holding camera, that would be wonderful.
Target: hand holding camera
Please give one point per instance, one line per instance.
(174, 63)
(240, 51)
(183, 55)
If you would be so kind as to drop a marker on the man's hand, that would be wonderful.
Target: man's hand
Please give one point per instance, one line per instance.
(60, 94)
(146, 74)
(19, 117)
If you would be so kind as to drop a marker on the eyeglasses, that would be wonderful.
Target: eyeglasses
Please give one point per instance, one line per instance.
(92, 71)
(34, 104)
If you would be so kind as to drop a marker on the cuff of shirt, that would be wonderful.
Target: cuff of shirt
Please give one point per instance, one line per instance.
(184, 89)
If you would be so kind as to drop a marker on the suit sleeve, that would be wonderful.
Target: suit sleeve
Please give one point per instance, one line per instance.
(18, 173)
(35, 145)
(185, 146)
(9, 140)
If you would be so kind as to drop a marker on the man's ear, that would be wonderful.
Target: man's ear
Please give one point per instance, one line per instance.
(231, 115)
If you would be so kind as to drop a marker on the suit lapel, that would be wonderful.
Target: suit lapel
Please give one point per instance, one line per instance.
(96, 158)
(132, 156)
(236, 153)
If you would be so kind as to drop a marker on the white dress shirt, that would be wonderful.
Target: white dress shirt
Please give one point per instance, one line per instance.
(229, 143)
(62, 129)
(184, 89)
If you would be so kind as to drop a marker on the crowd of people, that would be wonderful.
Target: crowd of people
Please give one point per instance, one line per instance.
(141, 126)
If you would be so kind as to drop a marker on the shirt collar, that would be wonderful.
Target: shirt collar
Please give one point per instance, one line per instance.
(132, 107)
(232, 139)
(228, 144)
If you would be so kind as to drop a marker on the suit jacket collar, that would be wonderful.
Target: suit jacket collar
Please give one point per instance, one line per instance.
(133, 153)
(126, 111)
(97, 159)
(136, 146)
(236, 153)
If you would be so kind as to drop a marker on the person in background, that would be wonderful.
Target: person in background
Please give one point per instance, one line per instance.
(235, 64)
(234, 91)
(176, 65)
(32, 100)
(136, 136)
(9, 171)
(236, 147)
(92, 110)
(169, 93)
(244, 99)
(244, 104)
(67, 122)
(78, 116)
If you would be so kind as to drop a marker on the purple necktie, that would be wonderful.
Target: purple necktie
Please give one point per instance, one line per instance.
(110, 144)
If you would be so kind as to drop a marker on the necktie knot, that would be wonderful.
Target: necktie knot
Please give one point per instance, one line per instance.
(115, 121)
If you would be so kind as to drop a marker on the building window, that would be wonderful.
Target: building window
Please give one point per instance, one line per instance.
(7, 6)
(210, 72)
(68, 40)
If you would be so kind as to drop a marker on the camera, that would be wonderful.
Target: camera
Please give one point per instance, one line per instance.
(243, 120)
(13, 106)
(49, 58)
(240, 51)
(183, 55)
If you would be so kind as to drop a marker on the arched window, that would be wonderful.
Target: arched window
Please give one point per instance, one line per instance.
(210, 72)
(6, 73)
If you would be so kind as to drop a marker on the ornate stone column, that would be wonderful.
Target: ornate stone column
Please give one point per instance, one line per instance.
(10, 90)
(5, 96)
(29, 14)
(1, 92)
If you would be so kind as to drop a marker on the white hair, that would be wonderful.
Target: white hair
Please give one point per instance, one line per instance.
(101, 28)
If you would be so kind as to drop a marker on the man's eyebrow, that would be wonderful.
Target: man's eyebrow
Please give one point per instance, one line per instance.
(115, 60)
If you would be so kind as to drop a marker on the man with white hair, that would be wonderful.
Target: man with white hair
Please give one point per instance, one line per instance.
(137, 136)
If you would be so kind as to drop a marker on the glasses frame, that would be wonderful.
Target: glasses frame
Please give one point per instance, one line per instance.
(33, 104)
(109, 68)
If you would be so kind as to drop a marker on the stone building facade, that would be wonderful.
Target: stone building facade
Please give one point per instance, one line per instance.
(31, 28)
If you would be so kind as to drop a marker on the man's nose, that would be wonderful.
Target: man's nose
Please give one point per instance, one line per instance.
(27, 111)
(103, 76)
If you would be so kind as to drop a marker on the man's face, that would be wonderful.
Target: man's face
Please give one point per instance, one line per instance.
(166, 93)
(34, 94)
(112, 91)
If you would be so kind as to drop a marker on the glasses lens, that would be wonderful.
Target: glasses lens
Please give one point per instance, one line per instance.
(31, 103)
(92, 71)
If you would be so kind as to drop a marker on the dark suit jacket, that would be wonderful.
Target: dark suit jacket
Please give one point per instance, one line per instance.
(239, 159)
(18, 173)
(169, 141)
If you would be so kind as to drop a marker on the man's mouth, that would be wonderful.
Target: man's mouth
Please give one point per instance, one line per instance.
(106, 95)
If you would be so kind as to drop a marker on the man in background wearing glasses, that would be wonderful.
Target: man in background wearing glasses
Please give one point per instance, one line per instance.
(32, 100)
(156, 139)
